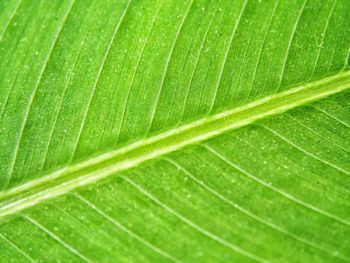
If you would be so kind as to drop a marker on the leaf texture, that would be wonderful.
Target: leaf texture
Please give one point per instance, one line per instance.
(174, 131)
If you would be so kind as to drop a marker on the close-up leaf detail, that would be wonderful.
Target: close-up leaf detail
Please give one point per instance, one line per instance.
(174, 131)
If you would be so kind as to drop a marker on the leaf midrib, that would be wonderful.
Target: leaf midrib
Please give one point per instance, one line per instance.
(103, 165)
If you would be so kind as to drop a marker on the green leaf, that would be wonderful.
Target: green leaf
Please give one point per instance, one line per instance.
(174, 130)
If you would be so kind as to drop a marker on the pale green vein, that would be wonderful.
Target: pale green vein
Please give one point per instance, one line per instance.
(331, 116)
(285, 60)
(323, 37)
(193, 225)
(19, 250)
(153, 113)
(199, 54)
(258, 61)
(136, 70)
(10, 19)
(241, 209)
(227, 53)
(34, 92)
(266, 184)
(57, 239)
(103, 165)
(104, 60)
(299, 148)
(126, 230)
(319, 134)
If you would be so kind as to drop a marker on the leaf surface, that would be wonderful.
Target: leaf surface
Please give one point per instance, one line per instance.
(174, 131)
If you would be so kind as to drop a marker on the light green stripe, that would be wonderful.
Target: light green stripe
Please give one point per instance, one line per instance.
(101, 166)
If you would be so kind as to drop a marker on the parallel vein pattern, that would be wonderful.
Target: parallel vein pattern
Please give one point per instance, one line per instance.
(222, 125)
(95, 169)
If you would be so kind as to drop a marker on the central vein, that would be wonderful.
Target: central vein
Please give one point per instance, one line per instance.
(97, 168)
